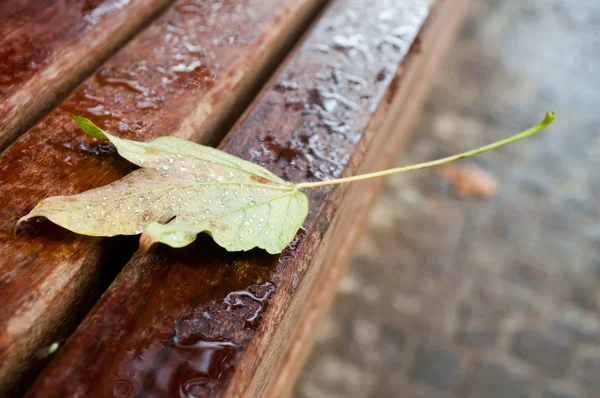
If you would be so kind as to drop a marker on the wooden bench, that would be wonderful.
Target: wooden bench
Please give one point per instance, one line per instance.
(201, 321)
(47, 48)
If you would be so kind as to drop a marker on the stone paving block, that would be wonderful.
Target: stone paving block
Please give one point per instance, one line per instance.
(590, 372)
(392, 345)
(584, 327)
(395, 387)
(548, 352)
(496, 380)
(498, 296)
(333, 377)
(582, 291)
(593, 268)
(363, 340)
(559, 393)
(477, 326)
(437, 366)
(527, 275)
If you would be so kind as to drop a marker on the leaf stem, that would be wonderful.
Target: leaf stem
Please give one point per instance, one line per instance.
(524, 134)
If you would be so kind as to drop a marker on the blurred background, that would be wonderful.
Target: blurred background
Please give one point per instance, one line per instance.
(483, 280)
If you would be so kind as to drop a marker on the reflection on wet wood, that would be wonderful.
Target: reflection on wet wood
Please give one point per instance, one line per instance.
(48, 47)
(203, 322)
(189, 73)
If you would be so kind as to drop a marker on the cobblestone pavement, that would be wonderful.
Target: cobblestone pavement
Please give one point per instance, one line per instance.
(485, 298)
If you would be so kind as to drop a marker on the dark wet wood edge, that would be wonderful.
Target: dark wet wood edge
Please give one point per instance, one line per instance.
(414, 81)
(56, 47)
(49, 278)
(168, 303)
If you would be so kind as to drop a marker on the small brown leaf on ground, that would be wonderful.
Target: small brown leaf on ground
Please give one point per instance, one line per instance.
(469, 180)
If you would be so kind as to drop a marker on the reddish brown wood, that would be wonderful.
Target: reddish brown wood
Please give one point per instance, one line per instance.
(48, 47)
(187, 74)
(204, 322)
(414, 80)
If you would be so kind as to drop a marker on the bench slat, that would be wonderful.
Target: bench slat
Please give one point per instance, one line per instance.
(189, 73)
(414, 81)
(48, 47)
(201, 320)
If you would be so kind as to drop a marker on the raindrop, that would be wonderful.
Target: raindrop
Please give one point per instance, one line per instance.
(387, 14)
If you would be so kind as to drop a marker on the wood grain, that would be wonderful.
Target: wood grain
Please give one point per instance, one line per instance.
(48, 47)
(414, 80)
(189, 73)
(206, 322)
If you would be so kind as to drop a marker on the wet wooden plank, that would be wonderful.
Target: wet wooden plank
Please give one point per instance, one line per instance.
(204, 322)
(414, 82)
(189, 73)
(48, 47)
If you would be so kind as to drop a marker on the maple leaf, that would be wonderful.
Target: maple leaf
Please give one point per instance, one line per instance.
(183, 188)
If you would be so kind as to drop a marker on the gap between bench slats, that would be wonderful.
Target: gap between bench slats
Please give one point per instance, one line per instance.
(188, 74)
(48, 47)
(203, 321)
